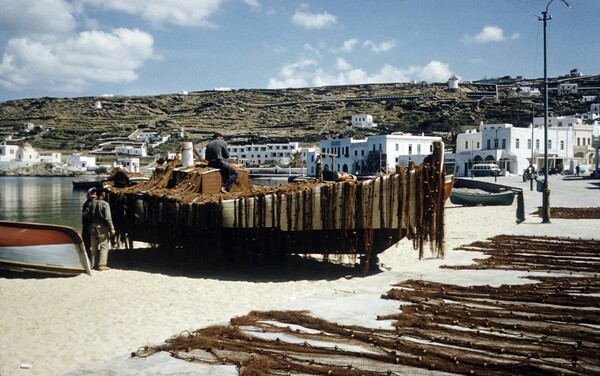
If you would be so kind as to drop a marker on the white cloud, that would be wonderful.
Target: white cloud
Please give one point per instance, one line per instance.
(164, 12)
(435, 71)
(380, 47)
(488, 34)
(292, 75)
(70, 65)
(43, 18)
(342, 64)
(252, 3)
(303, 74)
(349, 45)
(313, 20)
(311, 50)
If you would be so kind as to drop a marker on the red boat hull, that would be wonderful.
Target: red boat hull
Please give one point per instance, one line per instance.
(42, 247)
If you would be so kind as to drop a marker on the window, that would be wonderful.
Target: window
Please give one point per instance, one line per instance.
(362, 153)
(418, 148)
(528, 143)
(504, 143)
(517, 142)
(578, 141)
(489, 143)
(549, 144)
(495, 143)
(562, 145)
(477, 145)
(409, 149)
(537, 144)
(466, 144)
(397, 147)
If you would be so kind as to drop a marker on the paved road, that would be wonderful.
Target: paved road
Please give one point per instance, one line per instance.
(565, 191)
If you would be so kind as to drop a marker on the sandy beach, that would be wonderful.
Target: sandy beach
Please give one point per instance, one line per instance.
(91, 324)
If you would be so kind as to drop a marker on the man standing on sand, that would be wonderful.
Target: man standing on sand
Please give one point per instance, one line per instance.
(217, 154)
(101, 230)
(85, 221)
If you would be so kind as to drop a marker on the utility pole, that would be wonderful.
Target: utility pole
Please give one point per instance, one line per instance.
(545, 17)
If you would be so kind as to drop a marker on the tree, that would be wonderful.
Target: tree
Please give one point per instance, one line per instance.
(296, 159)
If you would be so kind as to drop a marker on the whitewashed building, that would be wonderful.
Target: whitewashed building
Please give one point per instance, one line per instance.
(363, 121)
(131, 164)
(256, 155)
(152, 138)
(513, 148)
(453, 83)
(8, 153)
(567, 88)
(79, 162)
(376, 153)
(581, 140)
(50, 157)
(24, 155)
(510, 147)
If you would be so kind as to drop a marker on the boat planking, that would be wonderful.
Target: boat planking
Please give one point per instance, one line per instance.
(180, 208)
(42, 248)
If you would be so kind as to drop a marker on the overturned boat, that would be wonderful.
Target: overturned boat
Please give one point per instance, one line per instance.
(181, 208)
(42, 248)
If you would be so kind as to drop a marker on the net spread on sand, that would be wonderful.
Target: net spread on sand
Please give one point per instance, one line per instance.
(548, 327)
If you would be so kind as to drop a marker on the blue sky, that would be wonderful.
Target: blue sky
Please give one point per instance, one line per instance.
(72, 48)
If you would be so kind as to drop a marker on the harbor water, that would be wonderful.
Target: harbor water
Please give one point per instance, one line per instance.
(41, 200)
(52, 199)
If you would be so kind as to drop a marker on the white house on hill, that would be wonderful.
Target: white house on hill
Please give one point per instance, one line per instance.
(363, 121)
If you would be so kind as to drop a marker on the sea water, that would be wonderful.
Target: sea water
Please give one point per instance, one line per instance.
(41, 200)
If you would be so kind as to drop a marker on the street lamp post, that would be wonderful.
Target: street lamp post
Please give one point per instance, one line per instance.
(545, 17)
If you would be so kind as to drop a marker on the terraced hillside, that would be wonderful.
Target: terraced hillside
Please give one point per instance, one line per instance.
(305, 115)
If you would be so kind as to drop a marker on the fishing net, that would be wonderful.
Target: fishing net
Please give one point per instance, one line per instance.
(547, 327)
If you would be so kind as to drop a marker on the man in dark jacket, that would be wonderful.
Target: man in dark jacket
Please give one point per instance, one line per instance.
(85, 222)
(217, 154)
(101, 230)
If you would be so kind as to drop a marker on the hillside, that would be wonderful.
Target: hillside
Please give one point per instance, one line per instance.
(305, 115)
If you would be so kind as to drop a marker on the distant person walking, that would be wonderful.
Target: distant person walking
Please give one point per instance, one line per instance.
(217, 154)
(85, 222)
(577, 170)
(101, 230)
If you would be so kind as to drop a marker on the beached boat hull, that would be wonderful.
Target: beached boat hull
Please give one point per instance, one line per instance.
(43, 248)
(472, 197)
(177, 208)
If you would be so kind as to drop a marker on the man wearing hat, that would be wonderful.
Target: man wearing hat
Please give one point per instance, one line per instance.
(217, 154)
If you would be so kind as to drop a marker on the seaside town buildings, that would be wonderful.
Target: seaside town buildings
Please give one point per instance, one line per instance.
(24, 155)
(256, 155)
(514, 148)
(375, 154)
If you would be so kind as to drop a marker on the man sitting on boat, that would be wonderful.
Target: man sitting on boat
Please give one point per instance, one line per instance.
(217, 154)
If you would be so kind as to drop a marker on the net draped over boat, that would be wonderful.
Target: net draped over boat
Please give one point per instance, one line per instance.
(263, 224)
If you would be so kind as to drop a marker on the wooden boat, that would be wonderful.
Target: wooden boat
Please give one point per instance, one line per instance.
(180, 208)
(474, 197)
(448, 185)
(87, 183)
(43, 248)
